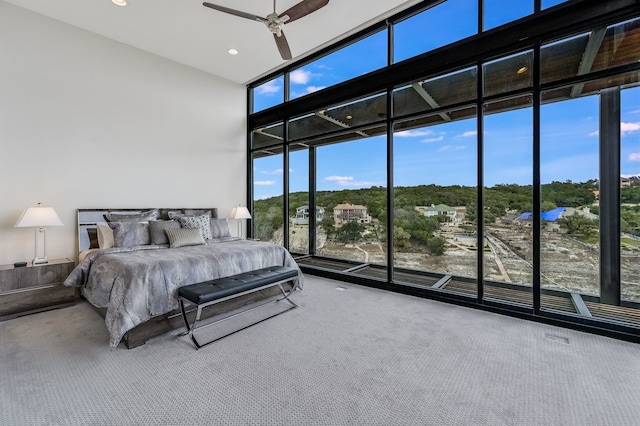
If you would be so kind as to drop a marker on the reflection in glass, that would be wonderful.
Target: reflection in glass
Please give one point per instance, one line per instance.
(508, 74)
(267, 136)
(441, 91)
(340, 119)
(600, 49)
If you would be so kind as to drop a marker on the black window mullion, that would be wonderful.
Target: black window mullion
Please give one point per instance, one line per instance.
(480, 182)
(537, 208)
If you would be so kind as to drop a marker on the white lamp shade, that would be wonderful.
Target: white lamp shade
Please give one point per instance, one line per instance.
(240, 213)
(38, 216)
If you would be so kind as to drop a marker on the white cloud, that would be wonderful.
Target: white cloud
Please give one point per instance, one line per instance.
(430, 140)
(625, 128)
(264, 182)
(413, 133)
(634, 156)
(339, 178)
(469, 134)
(272, 172)
(451, 148)
(311, 89)
(269, 88)
(629, 127)
(300, 76)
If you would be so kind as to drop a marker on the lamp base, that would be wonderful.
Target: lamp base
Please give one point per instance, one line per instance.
(40, 260)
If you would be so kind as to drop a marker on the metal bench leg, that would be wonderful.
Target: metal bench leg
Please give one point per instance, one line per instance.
(192, 327)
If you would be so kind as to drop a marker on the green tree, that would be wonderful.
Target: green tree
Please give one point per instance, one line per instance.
(579, 225)
(436, 246)
(350, 232)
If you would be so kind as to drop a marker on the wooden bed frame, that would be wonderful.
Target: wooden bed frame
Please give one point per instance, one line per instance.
(156, 326)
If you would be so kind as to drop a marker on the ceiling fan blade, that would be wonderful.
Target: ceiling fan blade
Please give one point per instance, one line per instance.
(303, 8)
(234, 12)
(283, 46)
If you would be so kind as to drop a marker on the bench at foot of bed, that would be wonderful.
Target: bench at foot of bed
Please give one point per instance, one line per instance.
(222, 289)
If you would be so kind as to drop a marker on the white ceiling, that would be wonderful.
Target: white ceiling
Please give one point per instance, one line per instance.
(191, 34)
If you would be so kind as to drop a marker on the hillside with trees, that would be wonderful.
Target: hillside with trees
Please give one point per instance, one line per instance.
(413, 228)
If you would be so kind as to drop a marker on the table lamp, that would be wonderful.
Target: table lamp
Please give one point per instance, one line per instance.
(39, 217)
(240, 213)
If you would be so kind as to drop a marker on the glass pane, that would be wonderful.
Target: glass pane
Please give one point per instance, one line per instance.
(450, 89)
(321, 125)
(351, 188)
(630, 194)
(359, 58)
(601, 49)
(498, 12)
(508, 74)
(268, 136)
(267, 198)
(299, 201)
(268, 94)
(438, 26)
(569, 171)
(434, 202)
(508, 201)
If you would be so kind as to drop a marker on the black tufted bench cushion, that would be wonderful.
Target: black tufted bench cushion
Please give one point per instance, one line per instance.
(215, 291)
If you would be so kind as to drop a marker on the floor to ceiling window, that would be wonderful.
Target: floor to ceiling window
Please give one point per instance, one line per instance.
(499, 167)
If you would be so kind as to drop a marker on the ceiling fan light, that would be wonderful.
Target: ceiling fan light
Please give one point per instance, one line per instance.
(232, 51)
(119, 2)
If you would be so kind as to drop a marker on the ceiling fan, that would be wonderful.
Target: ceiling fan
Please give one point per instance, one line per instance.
(275, 21)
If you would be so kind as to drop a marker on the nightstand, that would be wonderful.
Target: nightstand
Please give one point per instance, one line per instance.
(34, 288)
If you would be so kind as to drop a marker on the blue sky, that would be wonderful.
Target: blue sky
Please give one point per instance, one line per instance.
(446, 154)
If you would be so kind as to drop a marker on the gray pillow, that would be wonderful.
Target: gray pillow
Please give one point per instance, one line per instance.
(202, 222)
(181, 237)
(157, 230)
(129, 234)
(133, 217)
(175, 214)
(220, 228)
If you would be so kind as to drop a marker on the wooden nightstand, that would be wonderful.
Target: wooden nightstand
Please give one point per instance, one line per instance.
(34, 288)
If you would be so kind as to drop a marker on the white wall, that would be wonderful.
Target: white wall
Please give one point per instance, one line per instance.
(88, 122)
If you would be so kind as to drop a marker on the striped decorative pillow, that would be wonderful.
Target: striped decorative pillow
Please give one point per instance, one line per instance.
(181, 237)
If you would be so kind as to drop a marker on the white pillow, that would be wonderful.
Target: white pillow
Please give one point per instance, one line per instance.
(105, 235)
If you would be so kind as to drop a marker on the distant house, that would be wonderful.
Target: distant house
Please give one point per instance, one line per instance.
(343, 213)
(302, 215)
(442, 211)
(625, 182)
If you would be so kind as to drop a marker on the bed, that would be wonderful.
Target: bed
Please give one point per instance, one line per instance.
(132, 281)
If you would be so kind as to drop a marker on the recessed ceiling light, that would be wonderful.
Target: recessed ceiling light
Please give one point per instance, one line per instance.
(522, 70)
(119, 2)
(232, 51)
(349, 117)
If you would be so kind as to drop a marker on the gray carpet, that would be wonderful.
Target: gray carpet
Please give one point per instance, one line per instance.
(359, 356)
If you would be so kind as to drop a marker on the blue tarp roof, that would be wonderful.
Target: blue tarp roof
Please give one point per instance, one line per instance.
(550, 216)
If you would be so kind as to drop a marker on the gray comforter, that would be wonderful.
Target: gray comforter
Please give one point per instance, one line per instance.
(137, 283)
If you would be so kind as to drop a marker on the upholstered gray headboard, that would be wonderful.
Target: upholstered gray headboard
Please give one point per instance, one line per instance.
(88, 218)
